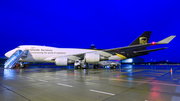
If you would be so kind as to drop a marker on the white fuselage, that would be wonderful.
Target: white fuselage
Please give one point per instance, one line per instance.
(43, 53)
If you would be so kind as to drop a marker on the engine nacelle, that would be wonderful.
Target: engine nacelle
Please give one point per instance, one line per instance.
(61, 61)
(92, 58)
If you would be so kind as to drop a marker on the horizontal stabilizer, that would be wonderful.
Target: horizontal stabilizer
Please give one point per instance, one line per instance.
(148, 51)
(166, 40)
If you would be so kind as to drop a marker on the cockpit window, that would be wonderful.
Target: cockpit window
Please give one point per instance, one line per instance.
(18, 47)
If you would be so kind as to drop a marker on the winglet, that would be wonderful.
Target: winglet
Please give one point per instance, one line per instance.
(166, 40)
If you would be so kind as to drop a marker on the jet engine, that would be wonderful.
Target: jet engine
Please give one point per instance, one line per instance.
(92, 57)
(61, 61)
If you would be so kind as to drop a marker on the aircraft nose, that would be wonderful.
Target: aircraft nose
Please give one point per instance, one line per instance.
(7, 54)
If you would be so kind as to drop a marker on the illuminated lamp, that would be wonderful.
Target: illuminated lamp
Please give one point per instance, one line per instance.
(153, 43)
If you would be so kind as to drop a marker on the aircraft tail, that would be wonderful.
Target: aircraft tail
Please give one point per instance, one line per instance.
(142, 39)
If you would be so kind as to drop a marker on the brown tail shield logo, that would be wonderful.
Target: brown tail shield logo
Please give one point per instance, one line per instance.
(142, 40)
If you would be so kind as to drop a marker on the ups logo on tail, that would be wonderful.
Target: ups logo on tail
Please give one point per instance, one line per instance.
(142, 40)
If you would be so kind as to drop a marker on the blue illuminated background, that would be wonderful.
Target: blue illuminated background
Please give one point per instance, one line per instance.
(78, 24)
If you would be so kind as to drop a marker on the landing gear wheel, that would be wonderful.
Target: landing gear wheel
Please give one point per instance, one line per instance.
(78, 67)
(21, 65)
(113, 67)
(86, 66)
(95, 66)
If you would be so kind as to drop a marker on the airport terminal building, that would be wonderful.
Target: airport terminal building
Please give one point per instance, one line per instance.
(133, 60)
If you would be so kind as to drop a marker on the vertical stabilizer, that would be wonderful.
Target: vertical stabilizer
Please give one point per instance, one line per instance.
(142, 39)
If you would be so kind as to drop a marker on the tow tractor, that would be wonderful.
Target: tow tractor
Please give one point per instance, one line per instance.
(80, 64)
(111, 64)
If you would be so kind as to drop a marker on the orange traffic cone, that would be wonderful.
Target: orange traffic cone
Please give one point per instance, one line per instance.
(171, 70)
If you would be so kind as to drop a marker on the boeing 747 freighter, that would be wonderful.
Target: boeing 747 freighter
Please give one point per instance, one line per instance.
(65, 56)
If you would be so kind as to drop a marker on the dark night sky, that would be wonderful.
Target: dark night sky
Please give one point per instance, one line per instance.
(78, 24)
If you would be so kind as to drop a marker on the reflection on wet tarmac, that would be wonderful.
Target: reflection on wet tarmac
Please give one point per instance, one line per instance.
(140, 82)
(8, 73)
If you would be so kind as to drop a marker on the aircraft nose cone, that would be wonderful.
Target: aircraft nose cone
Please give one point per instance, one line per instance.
(7, 54)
